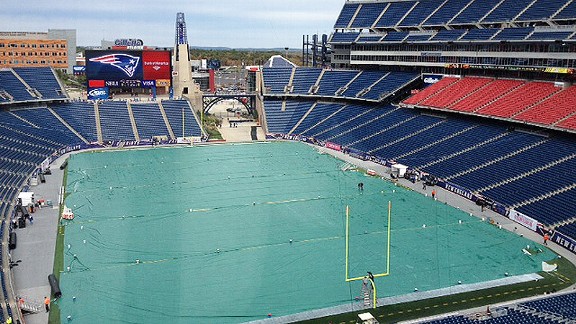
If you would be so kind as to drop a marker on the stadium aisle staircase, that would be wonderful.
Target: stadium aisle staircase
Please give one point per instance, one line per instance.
(98, 125)
(132, 121)
(165, 118)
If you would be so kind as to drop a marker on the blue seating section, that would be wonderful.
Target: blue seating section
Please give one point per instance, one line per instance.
(115, 121)
(552, 35)
(276, 79)
(394, 13)
(368, 14)
(474, 12)
(318, 114)
(535, 185)
(541, 10)
(304, 78)
(569, 12)
(344, 37)
(281, 122)
(149, 121)
(174, 110)
(391, 83)
(419, 13)
(369, 38)
(43, 80)
(418, 37)
(346, 15)
(446, 12)
(568, 229)
(448, 35)
(80, 116)
(507, 10)
(513, 33)
(10, 83)
(484, 153)
(372, 137)
(511, 316)
(479, 34)
(562, 305)
(341, 116)
(333, 80)
(337, 134)
(43, 118)
(363, 81)
(553, 209)
(520, 163)
(395, 36)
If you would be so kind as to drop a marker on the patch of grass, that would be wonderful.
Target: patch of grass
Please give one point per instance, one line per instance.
(211, 123)
(561, 279)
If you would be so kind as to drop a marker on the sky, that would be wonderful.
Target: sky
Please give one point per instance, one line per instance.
(210, 23)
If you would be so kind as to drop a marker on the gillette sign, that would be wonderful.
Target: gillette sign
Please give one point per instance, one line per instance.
(98, 93)
(431, 78)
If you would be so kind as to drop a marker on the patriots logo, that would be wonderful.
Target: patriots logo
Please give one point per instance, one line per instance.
(124, 62)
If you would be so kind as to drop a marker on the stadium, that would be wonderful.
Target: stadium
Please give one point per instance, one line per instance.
(425, 175)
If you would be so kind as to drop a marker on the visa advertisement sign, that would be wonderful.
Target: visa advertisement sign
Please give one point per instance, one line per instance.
(98, 93)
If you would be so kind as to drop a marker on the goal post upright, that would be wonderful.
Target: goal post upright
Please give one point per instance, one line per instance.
(348, 279)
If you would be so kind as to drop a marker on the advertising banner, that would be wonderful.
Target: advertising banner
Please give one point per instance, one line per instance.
(113, 65)
(148, 84)
(565, 241)
(98, 93)
(523, 220)
(156, 65)
(333, 146)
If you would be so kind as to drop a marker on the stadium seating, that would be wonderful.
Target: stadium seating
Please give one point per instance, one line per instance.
(281, 117)
(431, 90)
(367, 15)
(317, 115)
(394, 12)
(363, 81)
(333, 80)
(391, 83)
(568, 123)
(562, 305)
(10, 84)
(506, 11)
(473, 13)
(346, 15)
(553, 109)
(489, 93)
(115, 121)
(80, 116)
(43, 118)
(344, 37)
(276, 79)
(519, 99)
(43, 80)
(541, 10)
(455, 92)
(446, 12)
(175, 110)
(304, 79)
(419, 13)
(552, 210)
(479, 34)
(149, 120)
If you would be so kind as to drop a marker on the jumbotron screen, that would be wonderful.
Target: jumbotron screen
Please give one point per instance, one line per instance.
(128, 68)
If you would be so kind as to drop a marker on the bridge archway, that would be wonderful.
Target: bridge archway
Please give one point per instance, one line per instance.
(247, 100)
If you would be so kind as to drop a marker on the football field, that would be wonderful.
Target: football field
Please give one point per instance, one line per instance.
(237, 232)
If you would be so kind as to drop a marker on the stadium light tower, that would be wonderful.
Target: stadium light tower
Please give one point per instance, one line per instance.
(181, 35)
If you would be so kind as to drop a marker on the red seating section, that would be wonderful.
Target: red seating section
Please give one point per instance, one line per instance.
(519, 99)
(534, 102)
(553, 109)
(490, 92)
(569, 123)
(436, 87)
(455, 92)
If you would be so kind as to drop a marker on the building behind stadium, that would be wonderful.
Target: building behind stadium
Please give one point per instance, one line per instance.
(55, 48)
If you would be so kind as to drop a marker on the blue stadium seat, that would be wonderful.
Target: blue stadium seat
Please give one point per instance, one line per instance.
(12, 85)
(506, 11)
(43, 80)
(304, 79)
(368, 14)
(174, 110)
(115, 121)
(346, 15)
(513, 33)
(80, 116)
(344, 37)
(276, 79)
(333, 80)
(541, 10)
(446, 12)
(394, 12)
(419, 13)
(474, 12)
(149, 120)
